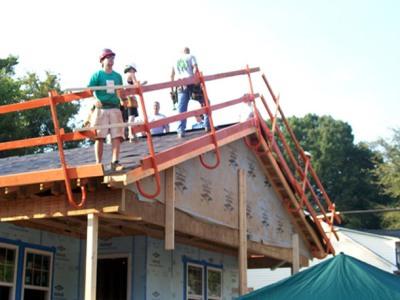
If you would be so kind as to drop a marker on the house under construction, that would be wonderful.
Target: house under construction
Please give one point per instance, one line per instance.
(185, 219)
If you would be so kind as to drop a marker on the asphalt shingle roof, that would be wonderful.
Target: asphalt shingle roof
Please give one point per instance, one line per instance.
(130, 155)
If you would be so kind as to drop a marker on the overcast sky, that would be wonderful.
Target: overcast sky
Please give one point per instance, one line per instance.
(339, 58)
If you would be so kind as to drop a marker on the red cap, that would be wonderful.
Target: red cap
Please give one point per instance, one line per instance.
(106, 53)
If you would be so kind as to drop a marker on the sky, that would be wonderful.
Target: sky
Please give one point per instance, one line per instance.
(338, 58)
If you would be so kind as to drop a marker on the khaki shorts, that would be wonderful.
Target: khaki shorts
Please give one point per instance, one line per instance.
(104, 117)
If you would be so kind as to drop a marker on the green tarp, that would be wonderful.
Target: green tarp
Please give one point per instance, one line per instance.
(339, 278)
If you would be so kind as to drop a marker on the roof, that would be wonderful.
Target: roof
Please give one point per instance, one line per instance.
(20, 176)
(382, 234)
(386, 232)
(130, 155)
(341, 277)
(378, 250)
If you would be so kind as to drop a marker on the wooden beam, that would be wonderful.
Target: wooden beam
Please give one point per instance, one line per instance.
(105, 201)
(200, 142)
(276, 252)
(105, 228)
(27, 191)
(154, 213)
(295, 253)
(57, 188)
(91, 256)
(74, 227)
(159, 233)
(119, 217)
(10, 190)
(242, 232)
(84, 171)
(108, 229)
(58, 227)
(263, 262)
(170, 209)
(170, 158)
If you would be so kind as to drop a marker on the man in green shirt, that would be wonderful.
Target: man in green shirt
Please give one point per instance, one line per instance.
(107, 110)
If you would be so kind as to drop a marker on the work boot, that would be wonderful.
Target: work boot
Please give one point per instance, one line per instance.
(116, 166)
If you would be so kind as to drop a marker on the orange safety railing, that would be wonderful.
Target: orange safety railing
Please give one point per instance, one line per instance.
(211, 124)
(305, 204)
(305, 191)
(255, 115)
(305, 159)
(60, 136)
(151, 149)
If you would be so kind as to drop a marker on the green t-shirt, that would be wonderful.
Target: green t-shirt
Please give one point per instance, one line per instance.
(108, 98)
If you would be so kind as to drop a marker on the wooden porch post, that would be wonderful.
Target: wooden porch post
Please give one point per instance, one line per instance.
(295, 253)
(242, 233)
(170, 209)
(91, 256)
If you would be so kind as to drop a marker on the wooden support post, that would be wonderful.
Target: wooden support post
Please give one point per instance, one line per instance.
(170, 209)
(91, 256)
(242, 233)
(295, 253)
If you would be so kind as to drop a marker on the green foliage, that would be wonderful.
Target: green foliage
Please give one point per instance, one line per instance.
(10, 92)
(345, 169)
(7, 65)
(391, 220)
(388, 172)
(35, 122)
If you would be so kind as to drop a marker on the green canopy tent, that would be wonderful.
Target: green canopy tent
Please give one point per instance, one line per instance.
(339, 278)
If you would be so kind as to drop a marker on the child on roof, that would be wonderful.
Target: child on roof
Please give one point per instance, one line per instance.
(129, 108)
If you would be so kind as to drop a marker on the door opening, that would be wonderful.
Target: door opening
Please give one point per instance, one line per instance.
(112, 278)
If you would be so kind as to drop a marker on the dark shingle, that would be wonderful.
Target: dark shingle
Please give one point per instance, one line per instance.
(130, 155)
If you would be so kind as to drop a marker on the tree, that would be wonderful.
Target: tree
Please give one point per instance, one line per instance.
(30, 123)
(343, 167)
(10, 92)
(39, 120)
(388, 175)
(388, 172)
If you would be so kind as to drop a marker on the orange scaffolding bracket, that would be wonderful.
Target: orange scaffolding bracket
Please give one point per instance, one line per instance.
(255, 115)
(151, 150)
(211, 124)
(302, 154)
(57, 131)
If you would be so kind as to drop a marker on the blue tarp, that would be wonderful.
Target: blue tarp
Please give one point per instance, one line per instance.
(339, 278)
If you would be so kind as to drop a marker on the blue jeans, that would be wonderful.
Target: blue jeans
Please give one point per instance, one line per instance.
(184, 94)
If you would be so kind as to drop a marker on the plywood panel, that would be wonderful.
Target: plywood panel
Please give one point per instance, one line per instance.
(212, 196)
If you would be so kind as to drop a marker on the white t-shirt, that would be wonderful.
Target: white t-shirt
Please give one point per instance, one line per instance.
(158, 130)
(184, 66)
(246, 112)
